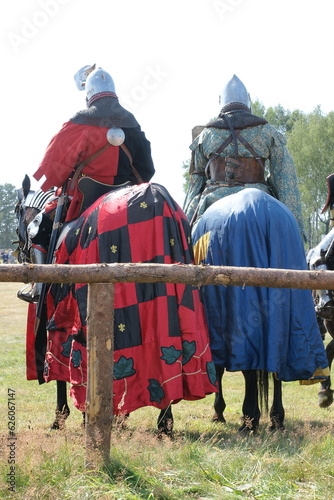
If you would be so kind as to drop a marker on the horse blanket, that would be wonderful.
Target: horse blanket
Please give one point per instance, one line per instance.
(162, 352)
(258, 328)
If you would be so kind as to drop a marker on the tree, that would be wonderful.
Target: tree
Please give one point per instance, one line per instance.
(258, 109)
(283, 119)
(8, 222)
(311, 144)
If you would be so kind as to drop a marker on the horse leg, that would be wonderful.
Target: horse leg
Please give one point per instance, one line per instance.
(62, 409)
(277, 410)
(325, 395)
(219, 403)
(250, 407)
(166, 422)
(120, 421)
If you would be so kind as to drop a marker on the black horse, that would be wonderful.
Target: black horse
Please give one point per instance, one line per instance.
(321, 257)
(257, 330)
(162, 352)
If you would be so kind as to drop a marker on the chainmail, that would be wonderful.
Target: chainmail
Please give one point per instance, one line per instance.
(106, 112)
(240, 116)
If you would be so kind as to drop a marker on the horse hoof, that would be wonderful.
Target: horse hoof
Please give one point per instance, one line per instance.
(166, 427)
(245, 429)
(218, 419)
(249, 426)
(121, 421)
(276, 426)
(325, 398)
(276, 423)
(59, 422)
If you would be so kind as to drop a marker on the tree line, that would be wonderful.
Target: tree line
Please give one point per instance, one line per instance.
(8, 221)
(310, 140)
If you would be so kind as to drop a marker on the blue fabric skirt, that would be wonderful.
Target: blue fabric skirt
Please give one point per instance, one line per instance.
(258, 328)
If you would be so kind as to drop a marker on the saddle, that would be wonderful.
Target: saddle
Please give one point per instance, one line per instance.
(92, 190)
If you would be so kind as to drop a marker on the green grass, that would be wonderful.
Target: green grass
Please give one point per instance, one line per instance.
(204, 461)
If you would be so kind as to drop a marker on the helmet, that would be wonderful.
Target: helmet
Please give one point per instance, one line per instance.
(235, 92)
(99, 82)
(80, 76)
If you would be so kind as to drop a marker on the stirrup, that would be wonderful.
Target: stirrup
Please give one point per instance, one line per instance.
(31, 296)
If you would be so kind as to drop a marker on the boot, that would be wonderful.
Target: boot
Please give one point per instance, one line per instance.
(32, 292)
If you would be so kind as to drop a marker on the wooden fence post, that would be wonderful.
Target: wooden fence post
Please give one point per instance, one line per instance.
(100, 365)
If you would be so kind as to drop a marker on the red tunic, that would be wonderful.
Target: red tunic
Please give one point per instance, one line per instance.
(74, 143)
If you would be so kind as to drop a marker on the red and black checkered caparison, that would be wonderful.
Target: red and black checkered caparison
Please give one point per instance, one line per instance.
(160, 334)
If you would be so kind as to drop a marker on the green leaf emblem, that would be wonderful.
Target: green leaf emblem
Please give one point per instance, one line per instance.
(156, 391)
(123, 368)
(188, 350)
(170, 355)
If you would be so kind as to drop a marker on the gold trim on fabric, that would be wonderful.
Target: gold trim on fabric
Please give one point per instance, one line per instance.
(201, 248)
(318, 375)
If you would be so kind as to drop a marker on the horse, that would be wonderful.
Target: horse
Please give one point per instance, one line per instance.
(161, 351)
(321, 257)
(257, 330)
(29, 210)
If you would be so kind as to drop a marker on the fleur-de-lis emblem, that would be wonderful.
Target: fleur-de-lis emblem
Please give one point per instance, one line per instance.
(143, 204)
(121, 327)
(77, 231)
(172, 242)
(113, 248)
(89, 230)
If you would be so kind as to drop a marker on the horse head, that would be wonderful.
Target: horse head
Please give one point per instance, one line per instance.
(21, 212)
(29, 212)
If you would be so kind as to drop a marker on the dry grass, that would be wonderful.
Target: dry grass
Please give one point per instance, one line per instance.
(204, 461)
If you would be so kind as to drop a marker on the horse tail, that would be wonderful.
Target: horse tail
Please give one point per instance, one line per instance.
(263, 388)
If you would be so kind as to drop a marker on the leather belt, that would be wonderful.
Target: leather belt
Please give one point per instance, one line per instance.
(232, 171)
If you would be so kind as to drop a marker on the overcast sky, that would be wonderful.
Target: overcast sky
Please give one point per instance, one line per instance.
(169, 61)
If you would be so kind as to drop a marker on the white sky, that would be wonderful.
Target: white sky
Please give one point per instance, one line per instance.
(169, 60)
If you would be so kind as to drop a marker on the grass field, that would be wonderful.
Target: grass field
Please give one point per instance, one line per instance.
(204, 460)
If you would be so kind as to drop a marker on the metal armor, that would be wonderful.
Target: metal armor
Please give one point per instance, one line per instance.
(99, 82)
(235, 92)
(80, 76)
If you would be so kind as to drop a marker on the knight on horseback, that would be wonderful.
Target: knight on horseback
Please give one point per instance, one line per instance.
(98, 149)
(233, 152)
(243, 218)
(161, 345)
